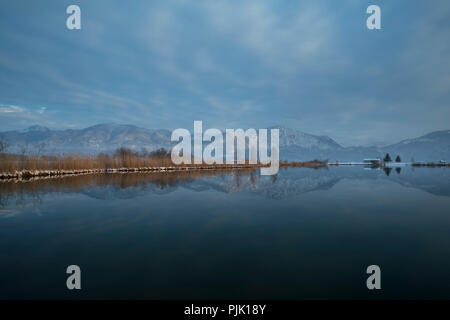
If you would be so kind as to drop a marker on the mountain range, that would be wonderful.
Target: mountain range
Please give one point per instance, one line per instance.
(294, 144)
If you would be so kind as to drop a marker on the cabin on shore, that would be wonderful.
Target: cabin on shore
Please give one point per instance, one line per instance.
(373, 162)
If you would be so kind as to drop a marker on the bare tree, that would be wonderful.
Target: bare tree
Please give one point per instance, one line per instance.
(40, 149)
(3, 146)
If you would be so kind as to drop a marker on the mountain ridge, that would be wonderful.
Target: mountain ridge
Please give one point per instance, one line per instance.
(294, 144)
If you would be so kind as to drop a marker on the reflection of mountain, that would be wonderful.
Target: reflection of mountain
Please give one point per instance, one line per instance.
(113, 192)
(288, 183)
(294, 182)
(435, 181)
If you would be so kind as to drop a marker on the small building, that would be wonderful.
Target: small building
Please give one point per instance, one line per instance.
(372, 162)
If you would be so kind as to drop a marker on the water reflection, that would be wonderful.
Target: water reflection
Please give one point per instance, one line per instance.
(107, 186)
(288, 183)
(301, 234)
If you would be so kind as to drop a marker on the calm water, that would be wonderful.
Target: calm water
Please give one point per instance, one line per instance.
(303, 234)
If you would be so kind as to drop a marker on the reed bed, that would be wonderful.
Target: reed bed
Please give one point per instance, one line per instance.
(14, 166)
(431, 164)
(314, 164)
(123, 160)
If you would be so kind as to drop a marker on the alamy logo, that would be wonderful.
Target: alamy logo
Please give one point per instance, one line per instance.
(374, 280)
(74, 280)
(374, 20)
(74, 20)
(213, 152)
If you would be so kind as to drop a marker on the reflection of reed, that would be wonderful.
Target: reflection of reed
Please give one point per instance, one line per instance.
(431, 164)
(162, 180)
(314, 164)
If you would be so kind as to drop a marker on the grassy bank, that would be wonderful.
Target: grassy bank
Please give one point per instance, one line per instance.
(430, 164)
(121, 158)
(314, 164)
(23, 166)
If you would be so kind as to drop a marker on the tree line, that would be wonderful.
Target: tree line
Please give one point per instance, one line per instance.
(387, 158)
(121, 158)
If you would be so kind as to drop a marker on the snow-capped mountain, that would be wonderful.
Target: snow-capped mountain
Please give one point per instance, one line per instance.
(295, 145)
(433, 146)
(98, 138)
(35, 129)
(296, 138)
(108, 137)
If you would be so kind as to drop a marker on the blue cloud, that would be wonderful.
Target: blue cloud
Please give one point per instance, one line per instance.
(312, 65)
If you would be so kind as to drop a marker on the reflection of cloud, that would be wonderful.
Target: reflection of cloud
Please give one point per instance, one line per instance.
(8, 213)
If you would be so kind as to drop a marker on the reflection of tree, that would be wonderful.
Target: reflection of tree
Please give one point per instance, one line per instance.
(237, 177)
(387, 170)
(253, 178)
(23, 197)
(27, 191)
(4, 200)
(274, 178)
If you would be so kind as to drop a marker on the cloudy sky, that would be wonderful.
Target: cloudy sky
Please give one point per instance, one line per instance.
(310, 65)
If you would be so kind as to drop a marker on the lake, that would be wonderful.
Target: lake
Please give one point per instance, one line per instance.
(302, 234)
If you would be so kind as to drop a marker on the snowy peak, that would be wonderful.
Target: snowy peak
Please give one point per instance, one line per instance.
(433, 146)
(297, 138)
(36, 128)
(433, 137)
(94, 139)
(294, 144)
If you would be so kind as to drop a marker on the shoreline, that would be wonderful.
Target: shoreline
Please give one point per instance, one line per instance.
(29, 174)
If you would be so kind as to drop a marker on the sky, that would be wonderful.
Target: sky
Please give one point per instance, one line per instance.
(309, 65)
